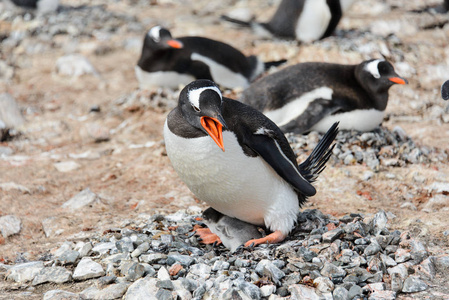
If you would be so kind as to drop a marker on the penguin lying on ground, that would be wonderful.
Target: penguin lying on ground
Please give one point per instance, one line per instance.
(312, 96)
(238, 161)
(172, 62)
(303, 20)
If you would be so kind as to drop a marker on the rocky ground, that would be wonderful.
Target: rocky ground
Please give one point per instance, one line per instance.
(90, 202)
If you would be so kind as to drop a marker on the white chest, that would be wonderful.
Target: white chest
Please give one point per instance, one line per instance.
(222, 75)
(313, 21)
(296, 107)
(359, 119)
(170, 79)
(238, 186)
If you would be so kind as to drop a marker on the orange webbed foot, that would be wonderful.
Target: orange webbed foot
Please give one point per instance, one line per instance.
(206, 236)
(272, 238)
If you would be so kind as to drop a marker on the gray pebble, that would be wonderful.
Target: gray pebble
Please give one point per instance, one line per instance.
(413, 284)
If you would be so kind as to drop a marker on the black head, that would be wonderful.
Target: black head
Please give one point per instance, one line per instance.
(156, 39)
(377, 75)
(200, 103)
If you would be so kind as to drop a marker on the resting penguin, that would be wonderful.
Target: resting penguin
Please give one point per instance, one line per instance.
(172, 62)
(303, 20)
(238, 161)
(312, 96)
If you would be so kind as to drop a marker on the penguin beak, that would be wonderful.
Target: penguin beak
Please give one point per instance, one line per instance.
(398, 80)
(214, 127)
(175, 44)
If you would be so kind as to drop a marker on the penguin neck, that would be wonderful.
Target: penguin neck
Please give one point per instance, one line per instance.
(378, 96)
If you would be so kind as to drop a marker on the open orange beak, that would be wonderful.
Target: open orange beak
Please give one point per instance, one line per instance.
(175, 44)
(398, 80)
(215, 129)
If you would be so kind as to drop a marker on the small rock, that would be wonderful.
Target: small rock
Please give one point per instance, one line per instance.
(340, 293)
(330, 236)
(163, 274)
(355, 291)
(367, 175)
(87, 269)
(98, 132)
(141, 289)
(379, 222)
(382, 295)
(52, 227)
(164, 295)
(152, 258)
(409, 206)
(10, 225)
(266, 268)
(299, 292)
(184, 260)
(323, 285)
(401, 269)
(125, 245)
(331, 270)
(251, 290)
(200, 270)
(68, 257)
(8, 186)
(388, 261)
(442, 263)
(132, 271)
(402, 255)
(105, 280)
(25, 272)
(396, 282)
(413, 284)
(66, 166)
(10, 114)
(220, 265)
(80, 200)
(140, 249)
(267, 290)
(52, 274)
(84, 249)
(74, 65)
(372, 249)
(60, 295)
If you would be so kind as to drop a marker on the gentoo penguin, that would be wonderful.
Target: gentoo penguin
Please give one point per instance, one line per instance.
(312, 96)
(445, 90)
(238, 161)
(170, 62)
(303, 20)
(232, 232)
(42, 6)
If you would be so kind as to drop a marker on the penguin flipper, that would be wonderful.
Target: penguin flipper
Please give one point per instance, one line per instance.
(315, 112)
(270, 150)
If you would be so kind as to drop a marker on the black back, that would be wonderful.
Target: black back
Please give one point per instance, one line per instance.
(284, 20)
(26, 3)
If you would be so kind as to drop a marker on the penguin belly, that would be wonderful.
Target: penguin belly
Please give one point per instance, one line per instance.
(169, 79)
(239, 186)
(359, 119)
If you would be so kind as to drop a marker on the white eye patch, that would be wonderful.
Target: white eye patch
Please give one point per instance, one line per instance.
(194, 95)
(154, 33)
(373, 68)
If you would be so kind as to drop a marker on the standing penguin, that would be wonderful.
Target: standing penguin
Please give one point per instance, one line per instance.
(239, 162)
(303, 20)
(170, 62)
(312, 96)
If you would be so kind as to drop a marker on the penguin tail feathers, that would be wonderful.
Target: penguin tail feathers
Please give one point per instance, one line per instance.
(316, 162)
(236, 21)
(275, 63)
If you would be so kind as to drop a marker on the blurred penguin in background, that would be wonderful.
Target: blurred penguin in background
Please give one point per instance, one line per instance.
(303, 20)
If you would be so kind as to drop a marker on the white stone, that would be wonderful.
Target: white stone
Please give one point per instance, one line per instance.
(300, 292)
(74, 65)
(25, 272)
(267, 290)
(60, 295)
(10, 225)
(10, 114)
(66, 166)
(87, 269)
(142, 289)
(7, 186)
(83, 198)
(52, 274)
(163, 274)
(51, 227)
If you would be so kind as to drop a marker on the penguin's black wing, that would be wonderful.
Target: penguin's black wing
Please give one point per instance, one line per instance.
(283, 22)
(315, 112)
(259, 136)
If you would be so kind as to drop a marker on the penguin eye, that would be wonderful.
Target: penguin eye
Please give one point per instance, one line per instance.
(196, 108)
